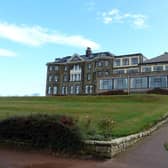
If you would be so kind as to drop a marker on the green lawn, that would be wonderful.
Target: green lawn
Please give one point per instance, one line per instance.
(94, 114)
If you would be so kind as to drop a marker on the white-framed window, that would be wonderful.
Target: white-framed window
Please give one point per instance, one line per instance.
(105, 84)
(117, 62)
(55, 90)
(88, 76)
(120, 83)
(118, 71)
(56, 78)
(86, 89)
(158, 68)
(133, 70)
(89, 66)
(72, 89)
(99, 73)
(50, 78)
(77, 88)
(107, 73)
(134, 60)
(91, 89)
(65, 68)
(158, 81)
(56, 67)
(50, 68)
(63, 90)
(65, 78)
(49, 90)
(146, 69)
(125, 61)
(106, 63)
(139, 82)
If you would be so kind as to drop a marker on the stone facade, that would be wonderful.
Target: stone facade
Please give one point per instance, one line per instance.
(95, 73)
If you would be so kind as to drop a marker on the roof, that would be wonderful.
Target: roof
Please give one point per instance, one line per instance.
(129, 55)
(91, 57)
(159, 59)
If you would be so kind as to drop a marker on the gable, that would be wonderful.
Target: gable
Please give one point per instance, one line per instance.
(75, 58)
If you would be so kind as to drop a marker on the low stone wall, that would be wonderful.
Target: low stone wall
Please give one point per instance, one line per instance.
(108, 149)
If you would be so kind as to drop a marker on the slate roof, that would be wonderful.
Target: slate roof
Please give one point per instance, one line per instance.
(159, 59)
(92, 56)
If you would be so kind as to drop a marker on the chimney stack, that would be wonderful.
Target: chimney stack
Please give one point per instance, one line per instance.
(88, 51)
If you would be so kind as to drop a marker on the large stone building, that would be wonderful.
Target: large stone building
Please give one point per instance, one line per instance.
(94, 73)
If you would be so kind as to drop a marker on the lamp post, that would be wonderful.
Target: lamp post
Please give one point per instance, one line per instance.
(128, 85)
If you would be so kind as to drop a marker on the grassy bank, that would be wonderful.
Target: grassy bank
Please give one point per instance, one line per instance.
(96, 115)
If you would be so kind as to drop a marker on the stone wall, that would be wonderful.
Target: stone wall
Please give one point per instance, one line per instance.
(108, 149)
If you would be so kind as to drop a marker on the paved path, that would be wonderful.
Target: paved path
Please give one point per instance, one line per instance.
(148, 153)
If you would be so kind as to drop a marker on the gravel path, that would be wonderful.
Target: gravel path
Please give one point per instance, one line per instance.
(149, 153)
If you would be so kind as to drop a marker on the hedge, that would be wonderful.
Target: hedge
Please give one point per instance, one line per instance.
(58, 133)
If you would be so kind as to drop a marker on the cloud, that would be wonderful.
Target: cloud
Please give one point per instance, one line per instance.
(6, 53)
(137, 20)
(37, 36)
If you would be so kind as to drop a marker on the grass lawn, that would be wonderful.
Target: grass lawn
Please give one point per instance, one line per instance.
(97, 116)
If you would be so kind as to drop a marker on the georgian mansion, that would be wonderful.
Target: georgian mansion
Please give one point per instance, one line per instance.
(94, 73)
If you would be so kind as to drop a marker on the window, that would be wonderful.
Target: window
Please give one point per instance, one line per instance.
(106, 63)
(91, 89)
(166, 68)
(106, 84)
(158, 68)
(117, 62)
(65, 78)
(158, 81)
(65, 68)
(134, 61)
(72, 90)
(55, 90)
(138, 82)
(107, 73)
(49, 90)
(146, 69)
(50, 78)
(120, 83)
(55, 78)
(88, 89)
(88, 76)
(56, 68)
(125, 61)
(119, 71)
(89, 66)
(63, 90)
(50, 68)
(99, 63)
(66, 90)
(99, 73)
(77, 89)
(132, 71)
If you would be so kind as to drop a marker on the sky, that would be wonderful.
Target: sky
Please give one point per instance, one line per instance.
(34, 32)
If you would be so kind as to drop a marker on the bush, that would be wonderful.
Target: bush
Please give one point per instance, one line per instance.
(114, 92)
(158, 91)
(58, 133)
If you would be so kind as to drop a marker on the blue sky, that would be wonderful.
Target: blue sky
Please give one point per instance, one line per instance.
(34, 32)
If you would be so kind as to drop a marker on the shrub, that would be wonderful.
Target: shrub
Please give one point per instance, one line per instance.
(58, 133)
(158, 91)
(114, 92)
